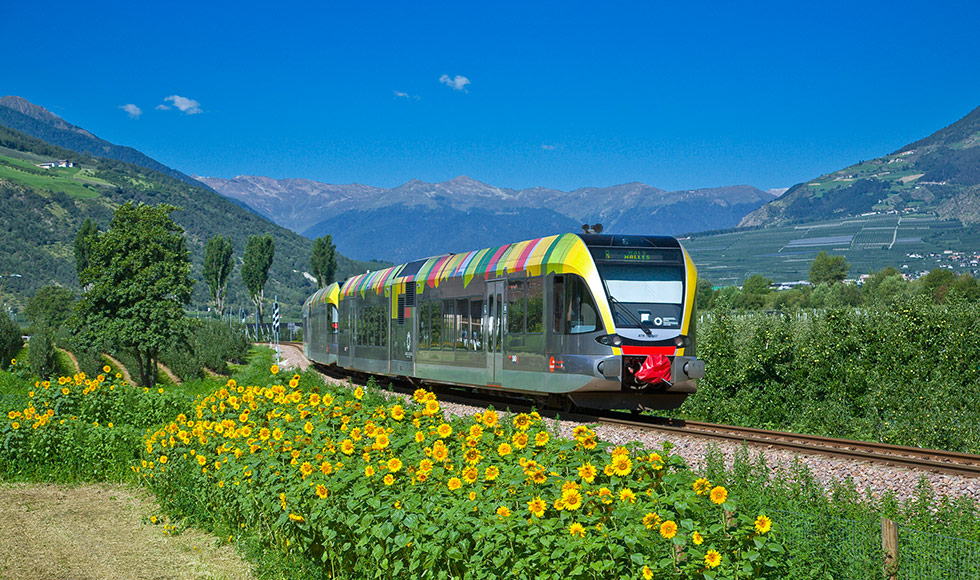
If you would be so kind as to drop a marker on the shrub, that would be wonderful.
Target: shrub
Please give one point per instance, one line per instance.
(41, 354)
(10, 339)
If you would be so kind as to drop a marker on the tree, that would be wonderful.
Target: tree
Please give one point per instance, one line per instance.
(83, 245)
(10, 339)
(757, 284)
(50, 307)
(217, 269)
(259, 251)
(137, 284)
(323, 262)
(704, 294)
(828, 269)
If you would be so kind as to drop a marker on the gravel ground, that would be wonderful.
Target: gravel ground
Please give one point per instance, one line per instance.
(866, 476)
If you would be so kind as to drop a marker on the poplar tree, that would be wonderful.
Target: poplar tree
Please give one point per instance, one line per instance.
(217, 269)
(259, 251)
(323, 261)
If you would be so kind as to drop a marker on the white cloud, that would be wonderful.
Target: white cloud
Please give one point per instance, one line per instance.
(548, 147)
(406, 96)
(183, 104)
(133, 110)
(457, 83)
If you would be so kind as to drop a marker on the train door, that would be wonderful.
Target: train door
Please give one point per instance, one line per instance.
(494, 301)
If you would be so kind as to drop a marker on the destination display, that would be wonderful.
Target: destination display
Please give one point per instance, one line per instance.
(659, 255)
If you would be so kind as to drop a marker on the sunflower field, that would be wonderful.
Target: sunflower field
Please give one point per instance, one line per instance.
(373, 487)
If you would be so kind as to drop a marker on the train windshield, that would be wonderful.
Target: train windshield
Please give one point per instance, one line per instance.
(644, 294)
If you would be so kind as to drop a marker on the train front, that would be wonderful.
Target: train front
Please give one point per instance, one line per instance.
(649, 283)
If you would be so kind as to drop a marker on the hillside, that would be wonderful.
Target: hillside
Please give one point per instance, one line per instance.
(463, 213)
(43, 208)
(939, 174)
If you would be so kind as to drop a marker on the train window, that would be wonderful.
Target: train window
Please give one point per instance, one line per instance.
(462, 323)
(332, 320)
(534, 309)
(423, 314)
(515, 307)
(435, 321)
(476, 323)
(448, 324)
(580, 310)
(558, 300)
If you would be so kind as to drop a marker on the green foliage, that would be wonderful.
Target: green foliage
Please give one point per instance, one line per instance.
(10, 339)
(903, 373)
(756, 284)
(50, 307)
(217, 269)
(827, 269)
(211, 344)
(259, 252)
(704, 295)
(84, 240)
(41, 354)
(323, 261)
(137, 285)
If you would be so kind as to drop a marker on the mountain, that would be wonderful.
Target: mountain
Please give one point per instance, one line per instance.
(21, 115)
(463, 213)
(939, 174)
(43, 208)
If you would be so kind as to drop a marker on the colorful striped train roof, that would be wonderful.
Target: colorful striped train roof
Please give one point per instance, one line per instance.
(535, 257)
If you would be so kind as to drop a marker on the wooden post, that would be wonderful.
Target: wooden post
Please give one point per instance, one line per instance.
(889, 545)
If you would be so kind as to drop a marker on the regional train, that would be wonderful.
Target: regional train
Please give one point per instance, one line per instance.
(589, 320)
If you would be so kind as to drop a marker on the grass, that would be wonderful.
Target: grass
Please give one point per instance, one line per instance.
(55, 180)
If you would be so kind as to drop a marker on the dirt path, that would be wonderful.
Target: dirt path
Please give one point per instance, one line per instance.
(169, 373)
(122, 369)
(74, 360)
(54, 532)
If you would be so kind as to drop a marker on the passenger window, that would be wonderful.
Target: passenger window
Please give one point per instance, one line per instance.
(515, 307)
(424, 310)
(534, 297)
(476, 324)
(436, 324)
(448, 324)
(580, 313)
(462, 323)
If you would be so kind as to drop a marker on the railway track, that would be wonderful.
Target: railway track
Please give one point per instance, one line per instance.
(931, 460)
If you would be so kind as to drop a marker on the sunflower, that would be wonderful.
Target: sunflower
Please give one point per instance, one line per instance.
(308, 428)
(647, 573)
(381, 442)
(389, 479)
(295, 517)
(651, 520)
(369, 471)
(470, 474)
(431, 407)
(702, 486)
(627, 495)
(587, 472)
(425, 466)
(472, 455)
(520, 440)
(621, 465)
(577, 529)
(491, 473)
(719, 494)
(274, 369)
(522, 421)
(668, 529)
(306, 468)
(541, 439)
(763, 524)
(394, 464)
(321, 491)
(454, 483)
(347, 447)
(440, 452)
(397, 413)
(358, 393)
(503, 511)
(697, 538)
(572, 499)
(537, 506)
(490, 418)
(712, 559)
(504, 449)
(326, 468)
(444, 430)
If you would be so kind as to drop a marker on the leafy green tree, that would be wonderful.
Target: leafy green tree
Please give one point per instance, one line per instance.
(41, 354)
(828, 269)
(217, 269)
(50, 307)
(138, 282)
(937, 284)
(323, 262)
(83, 245)
(259, 251)
(757, 284)
(704, 294)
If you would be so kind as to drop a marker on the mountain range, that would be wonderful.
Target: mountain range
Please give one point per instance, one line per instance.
(938, 174)
(418, 219)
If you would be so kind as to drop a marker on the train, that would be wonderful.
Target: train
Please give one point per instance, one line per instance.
(571, 320)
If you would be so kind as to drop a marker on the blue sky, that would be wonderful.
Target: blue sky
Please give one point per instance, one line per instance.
(559, 94)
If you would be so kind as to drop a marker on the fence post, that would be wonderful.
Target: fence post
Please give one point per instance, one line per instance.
(889, 545)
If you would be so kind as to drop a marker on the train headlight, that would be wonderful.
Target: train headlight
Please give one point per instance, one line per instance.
(682, 341)
(610, 340)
